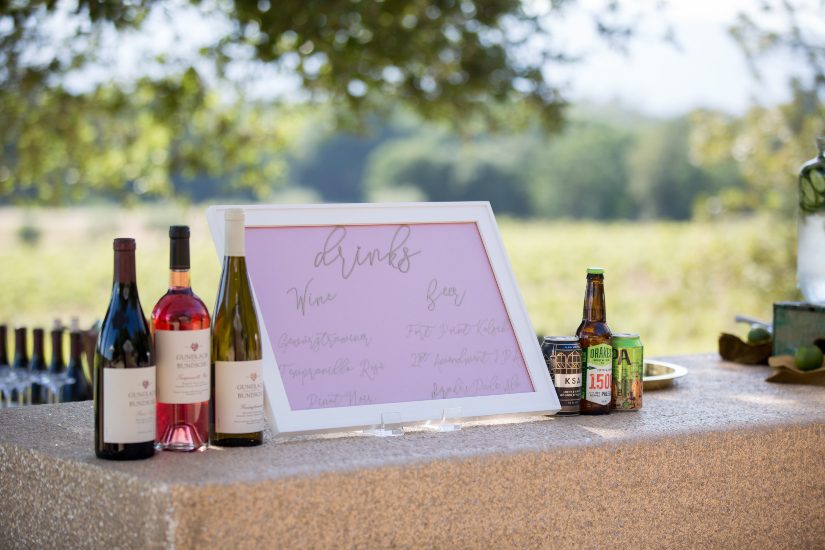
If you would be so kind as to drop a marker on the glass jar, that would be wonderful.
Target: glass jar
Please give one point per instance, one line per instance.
(810, 258)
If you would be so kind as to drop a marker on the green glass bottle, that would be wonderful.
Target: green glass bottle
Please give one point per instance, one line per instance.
(236, 409)
(810, 263)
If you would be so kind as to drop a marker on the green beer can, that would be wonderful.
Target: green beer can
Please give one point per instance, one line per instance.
(628, 372)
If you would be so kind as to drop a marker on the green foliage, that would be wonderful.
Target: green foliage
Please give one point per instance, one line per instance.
(333, 164)
(677, 284)
(185, 126)
(785, 25)
(767, 145)
(583, 174)
(444, 59)
(667, 181)
(627, 168)
(446, 168)
(182, 119)
(122, 144)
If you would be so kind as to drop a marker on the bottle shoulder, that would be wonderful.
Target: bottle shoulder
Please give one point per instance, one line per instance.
(234, 293)
(594, 332)
(124, 339)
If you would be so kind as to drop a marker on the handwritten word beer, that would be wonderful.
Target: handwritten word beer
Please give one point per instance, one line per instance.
(597, 352)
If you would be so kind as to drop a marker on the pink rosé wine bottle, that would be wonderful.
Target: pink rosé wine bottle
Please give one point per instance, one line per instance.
(180, 323)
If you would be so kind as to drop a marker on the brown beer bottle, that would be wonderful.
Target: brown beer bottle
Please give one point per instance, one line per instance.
(597, 352)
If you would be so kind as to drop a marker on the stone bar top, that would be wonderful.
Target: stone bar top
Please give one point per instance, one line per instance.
(722, 458)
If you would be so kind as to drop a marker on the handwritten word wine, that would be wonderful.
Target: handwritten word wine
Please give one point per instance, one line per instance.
(237, 406)
(180, 323)
(124, 371)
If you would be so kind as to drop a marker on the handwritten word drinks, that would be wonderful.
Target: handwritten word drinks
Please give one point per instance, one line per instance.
(394, 255)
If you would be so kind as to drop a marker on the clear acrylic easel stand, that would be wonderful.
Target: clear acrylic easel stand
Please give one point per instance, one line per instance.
(390, 426)
(449, 421)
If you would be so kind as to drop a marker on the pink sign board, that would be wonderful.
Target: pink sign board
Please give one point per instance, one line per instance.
(378, 315)
(383, 313)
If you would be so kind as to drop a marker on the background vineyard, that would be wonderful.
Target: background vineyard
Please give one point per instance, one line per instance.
(678, 284)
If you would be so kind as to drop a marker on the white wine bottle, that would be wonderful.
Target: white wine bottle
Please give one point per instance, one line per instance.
(236, 416)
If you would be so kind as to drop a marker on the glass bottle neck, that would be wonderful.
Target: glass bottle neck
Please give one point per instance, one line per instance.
(124, 267)
(179, 279)
(75, 346)
(57, 347)
(20, 352)
(594, 306)
(4, 358)
(37, 348)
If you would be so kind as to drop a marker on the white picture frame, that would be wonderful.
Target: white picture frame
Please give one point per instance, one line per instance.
(284, 420)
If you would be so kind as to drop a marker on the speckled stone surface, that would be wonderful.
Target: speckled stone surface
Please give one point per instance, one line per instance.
(721, 459)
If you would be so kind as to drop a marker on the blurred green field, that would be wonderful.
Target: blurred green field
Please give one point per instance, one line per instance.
(678, 284)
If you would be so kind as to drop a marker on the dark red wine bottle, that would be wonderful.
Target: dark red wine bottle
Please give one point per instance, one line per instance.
(40, 393)
(180, 325)
(57, 365)
(81, 389)
(4, 347)
(124, 370)
(21, 361)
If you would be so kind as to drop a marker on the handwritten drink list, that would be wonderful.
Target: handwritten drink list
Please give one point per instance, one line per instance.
(363, 315)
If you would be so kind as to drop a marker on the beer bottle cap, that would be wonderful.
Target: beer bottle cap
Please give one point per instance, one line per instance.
(595, 271)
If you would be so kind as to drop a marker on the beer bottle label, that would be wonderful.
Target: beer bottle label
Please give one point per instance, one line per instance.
(598, 371)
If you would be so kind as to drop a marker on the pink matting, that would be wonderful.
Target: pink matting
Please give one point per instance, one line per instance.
(372, 314)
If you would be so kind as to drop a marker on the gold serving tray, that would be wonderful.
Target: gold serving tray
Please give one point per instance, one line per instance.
(661, 374)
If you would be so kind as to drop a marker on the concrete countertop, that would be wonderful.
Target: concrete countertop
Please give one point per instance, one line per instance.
(721, 457)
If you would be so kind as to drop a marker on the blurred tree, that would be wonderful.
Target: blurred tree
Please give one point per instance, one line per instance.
(583, 174)
(454, 60)
(663, 178)
(333, 163)
(768, 144)
(632, 167)
(59, 147)
(790, 25)
(444, 167)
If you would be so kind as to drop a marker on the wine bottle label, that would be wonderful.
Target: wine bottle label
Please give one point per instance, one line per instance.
(239, 397)
(129, 405)
(183, 365)
(598, 372)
